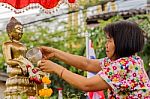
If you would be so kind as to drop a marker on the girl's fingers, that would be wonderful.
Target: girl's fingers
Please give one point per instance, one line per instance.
(44, 57)
(42, 68)
(38, 63)
(50, 55)
(41, 63)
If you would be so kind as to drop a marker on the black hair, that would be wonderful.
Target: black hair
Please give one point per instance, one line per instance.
(128, 37)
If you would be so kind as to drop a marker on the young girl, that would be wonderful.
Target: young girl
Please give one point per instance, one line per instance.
(121, 72)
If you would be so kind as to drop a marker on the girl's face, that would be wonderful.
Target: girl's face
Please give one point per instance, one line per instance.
(110, 48)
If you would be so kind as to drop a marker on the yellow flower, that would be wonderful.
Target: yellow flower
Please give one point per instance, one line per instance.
(132, 84)
(45, 92)
(122, 72)
(143, 79)
(122, 62)
(46, 80)
(50, 91)
(131, 67)
(115, 79)
(140, 72)
(41, 92)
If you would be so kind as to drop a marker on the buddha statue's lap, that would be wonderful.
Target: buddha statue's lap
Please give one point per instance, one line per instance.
(18, 81)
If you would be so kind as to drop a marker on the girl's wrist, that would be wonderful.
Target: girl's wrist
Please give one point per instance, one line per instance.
(53, 50)
(61, 73)
(59, 70)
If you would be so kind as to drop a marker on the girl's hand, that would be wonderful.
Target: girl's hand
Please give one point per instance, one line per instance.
(47, 66)
(47, 52)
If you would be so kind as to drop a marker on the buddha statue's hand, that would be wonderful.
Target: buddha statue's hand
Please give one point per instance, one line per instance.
(35, 73)
(13, 62)
(21, 65)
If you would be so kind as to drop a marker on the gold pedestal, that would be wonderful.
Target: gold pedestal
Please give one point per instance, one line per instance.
(17, 86)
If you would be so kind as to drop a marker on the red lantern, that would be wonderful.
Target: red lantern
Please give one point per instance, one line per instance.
(71, 1)
(46, 6)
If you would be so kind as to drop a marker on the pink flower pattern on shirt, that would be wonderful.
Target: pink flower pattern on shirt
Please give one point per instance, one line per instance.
(127, 78)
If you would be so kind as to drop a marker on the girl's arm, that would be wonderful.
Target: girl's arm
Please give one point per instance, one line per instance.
(86, 84)
(79, 62)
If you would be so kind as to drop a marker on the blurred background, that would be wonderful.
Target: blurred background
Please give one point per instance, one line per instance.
(65, 29)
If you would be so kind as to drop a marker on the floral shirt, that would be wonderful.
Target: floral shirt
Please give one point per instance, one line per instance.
(127, 78)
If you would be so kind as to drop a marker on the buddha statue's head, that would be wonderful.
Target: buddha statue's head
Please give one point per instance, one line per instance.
(14, 29)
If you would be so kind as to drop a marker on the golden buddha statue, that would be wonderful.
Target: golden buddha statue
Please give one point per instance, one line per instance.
(18, 81)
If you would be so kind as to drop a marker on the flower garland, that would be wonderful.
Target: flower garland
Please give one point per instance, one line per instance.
(36, 76)
(45, 92)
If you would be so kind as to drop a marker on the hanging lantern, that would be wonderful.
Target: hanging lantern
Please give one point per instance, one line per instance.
(71, 1)
(73, 4)
(47, 6)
